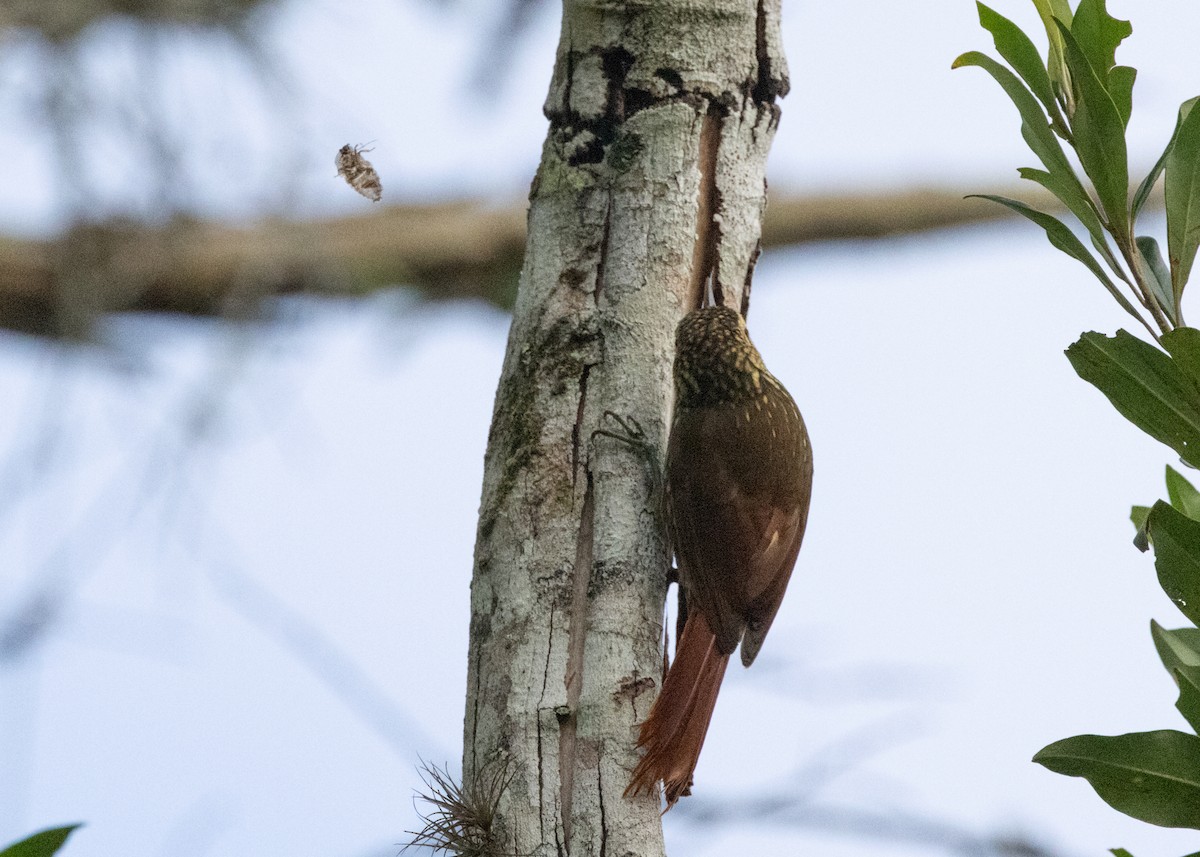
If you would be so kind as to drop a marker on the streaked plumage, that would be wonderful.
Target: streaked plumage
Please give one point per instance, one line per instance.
(738, 479)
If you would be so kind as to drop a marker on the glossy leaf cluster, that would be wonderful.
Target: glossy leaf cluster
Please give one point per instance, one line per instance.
(1153, 776)
(1076, 99)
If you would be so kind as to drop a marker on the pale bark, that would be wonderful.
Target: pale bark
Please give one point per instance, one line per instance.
(651, 184)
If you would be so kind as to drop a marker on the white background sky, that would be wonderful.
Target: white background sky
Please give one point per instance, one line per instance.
(967, 590)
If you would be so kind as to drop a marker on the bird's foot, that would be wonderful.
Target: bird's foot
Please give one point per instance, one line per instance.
(631, 431)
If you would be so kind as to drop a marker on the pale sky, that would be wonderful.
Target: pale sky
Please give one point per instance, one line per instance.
(217, 499)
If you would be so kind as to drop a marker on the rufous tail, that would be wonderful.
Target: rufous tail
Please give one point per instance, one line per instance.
(674, 732)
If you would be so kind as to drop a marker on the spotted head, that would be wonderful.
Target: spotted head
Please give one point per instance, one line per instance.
(715, 361)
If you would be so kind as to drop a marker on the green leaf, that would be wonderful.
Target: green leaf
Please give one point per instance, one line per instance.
(1182, 190)
(1183, 496)
(1147, 185)
(1035, 128)
(1145, 385)
(1157, 275)
(1056, 65)
(1020, 53)
(1188, 679)
(1099, 135)
(1139, 514)
(1183, 344)
(1060, 9)
(1119, 852)
(1152, 776)
(1072, 195)
(1120, 86)
(1176, 540)
(41, 844)
(1064, 239)
(1176, 648)
(1098, 35)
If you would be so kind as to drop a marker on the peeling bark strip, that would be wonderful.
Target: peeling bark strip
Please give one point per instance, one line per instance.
(708, 230)
(651, 184)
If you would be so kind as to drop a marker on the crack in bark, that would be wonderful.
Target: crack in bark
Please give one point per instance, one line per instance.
(588, 137)
(478, 695)
(549, 652)
(566, 102)
(600, 264)
(762, 91)
(541, 774)
(766, 88)
(603, 821)
(616, 62)
(705, 252)
(540, 707)
(576, 429)
(577, 637)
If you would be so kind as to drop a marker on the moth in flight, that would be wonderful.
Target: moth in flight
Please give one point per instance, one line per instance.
(358, 172)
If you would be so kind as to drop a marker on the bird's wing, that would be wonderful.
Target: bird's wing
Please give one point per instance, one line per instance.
(768, 573)
(786, 513)
(736, 533)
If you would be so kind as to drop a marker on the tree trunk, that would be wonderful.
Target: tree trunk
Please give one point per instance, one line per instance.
(650, 191)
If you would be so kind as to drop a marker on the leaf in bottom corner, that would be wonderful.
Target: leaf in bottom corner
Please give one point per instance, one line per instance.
(1151, 776)
(41, 844)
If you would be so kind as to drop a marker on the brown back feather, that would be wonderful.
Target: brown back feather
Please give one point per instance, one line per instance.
(737, 520)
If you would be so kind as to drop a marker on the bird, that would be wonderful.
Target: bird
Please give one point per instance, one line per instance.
(738, 480)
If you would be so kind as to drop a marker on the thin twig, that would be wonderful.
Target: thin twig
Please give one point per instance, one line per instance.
(1148, 298)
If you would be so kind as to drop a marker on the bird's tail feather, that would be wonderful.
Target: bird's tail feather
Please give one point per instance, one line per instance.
(673, 733)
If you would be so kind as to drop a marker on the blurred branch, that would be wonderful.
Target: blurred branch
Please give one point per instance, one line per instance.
(451, 250)
(454, 250)
(66, 19)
